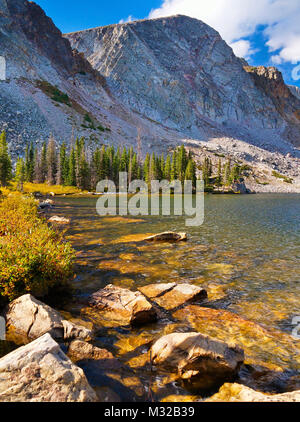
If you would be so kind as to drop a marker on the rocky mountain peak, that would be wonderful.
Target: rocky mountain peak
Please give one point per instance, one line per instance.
(170, 79)
(178, 72)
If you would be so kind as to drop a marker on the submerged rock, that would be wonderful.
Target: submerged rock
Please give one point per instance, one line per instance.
(240, 393)
(105, 373)
(41, 372)
(29, 319)
(269, 348)
(167, 237)
(201, 360)
(59, 220)
(81, 350)
(171, 295)
(123, 305)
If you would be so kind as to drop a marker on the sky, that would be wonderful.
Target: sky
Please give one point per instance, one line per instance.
(265, 32)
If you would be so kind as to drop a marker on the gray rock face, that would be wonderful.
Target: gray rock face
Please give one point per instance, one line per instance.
(295, 91)
(179, 72)
(41, 372)
(29, 318)
(200, 360)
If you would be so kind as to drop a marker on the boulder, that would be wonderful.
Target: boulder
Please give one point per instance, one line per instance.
(200, 360)
(106, 374)
(167, 237)
(240, 187)
(59, 220)
(171, 295)
(41, 372)
(81, 350)
(47, 204)
(240, 393)
(29, 318)
(123, 305)
(258, 342)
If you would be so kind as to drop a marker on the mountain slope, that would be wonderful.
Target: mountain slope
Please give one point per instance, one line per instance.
(179, 72)
(172, 80)
(51, 88)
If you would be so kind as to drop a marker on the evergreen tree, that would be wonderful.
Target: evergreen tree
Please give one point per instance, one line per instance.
(167, 169)
(235, 173)
(20, 174)
(147, 169)
(83, 181)
(190, 172)
(162, 167)
(71, 180)
(62, 174)
(227, 173)
(29, 163)
(174, 166)
(51, 161)
(43, 164)
(219, 175)
(37, 168)
(115, 167)
(205, 172)
(124, 161)
(181, 163)
(153, 175)
(134, 167)
(5, 161)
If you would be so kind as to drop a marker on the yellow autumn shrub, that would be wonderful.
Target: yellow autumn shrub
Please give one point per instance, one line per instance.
(34, 258)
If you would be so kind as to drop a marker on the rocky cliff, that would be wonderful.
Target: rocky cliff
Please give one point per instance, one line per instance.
(179, 72)
(50, 88)
(172, 80)
(295, 91)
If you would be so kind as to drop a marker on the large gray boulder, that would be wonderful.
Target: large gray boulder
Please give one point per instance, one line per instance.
(29, 318)
(123, 306)
(198, 359)
(41, 372)
(241, 393)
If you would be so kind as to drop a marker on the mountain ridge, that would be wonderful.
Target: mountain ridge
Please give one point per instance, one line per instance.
(172, 80)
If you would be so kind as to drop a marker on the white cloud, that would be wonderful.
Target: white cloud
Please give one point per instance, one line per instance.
(129, 19)
(236, 19)
(242, 48)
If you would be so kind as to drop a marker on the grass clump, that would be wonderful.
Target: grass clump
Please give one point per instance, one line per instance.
(33, 257)
(54, 93)
(43, 189)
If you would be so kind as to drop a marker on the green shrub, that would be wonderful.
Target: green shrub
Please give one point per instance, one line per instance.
(54, 93)
(281, 176)
(33, 257)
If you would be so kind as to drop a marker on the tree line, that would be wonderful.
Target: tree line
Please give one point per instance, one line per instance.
(78, 166)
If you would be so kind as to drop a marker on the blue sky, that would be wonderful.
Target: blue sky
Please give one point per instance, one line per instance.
(265, 32)
(74, 15)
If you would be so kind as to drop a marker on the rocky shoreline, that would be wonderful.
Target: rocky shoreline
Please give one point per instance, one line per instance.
(58, 359)
(41, 371)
